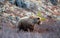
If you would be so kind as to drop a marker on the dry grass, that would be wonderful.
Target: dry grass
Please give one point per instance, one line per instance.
(45, 31)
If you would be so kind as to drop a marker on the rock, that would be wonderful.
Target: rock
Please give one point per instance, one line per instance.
(1, 7)
(54, 2)
(12, 1)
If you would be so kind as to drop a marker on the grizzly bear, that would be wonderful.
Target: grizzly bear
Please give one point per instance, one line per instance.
(28, 23)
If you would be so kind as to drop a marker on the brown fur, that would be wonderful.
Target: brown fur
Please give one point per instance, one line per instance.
(29, 23)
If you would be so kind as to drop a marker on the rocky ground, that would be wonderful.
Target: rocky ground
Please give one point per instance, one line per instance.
(11, 14)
